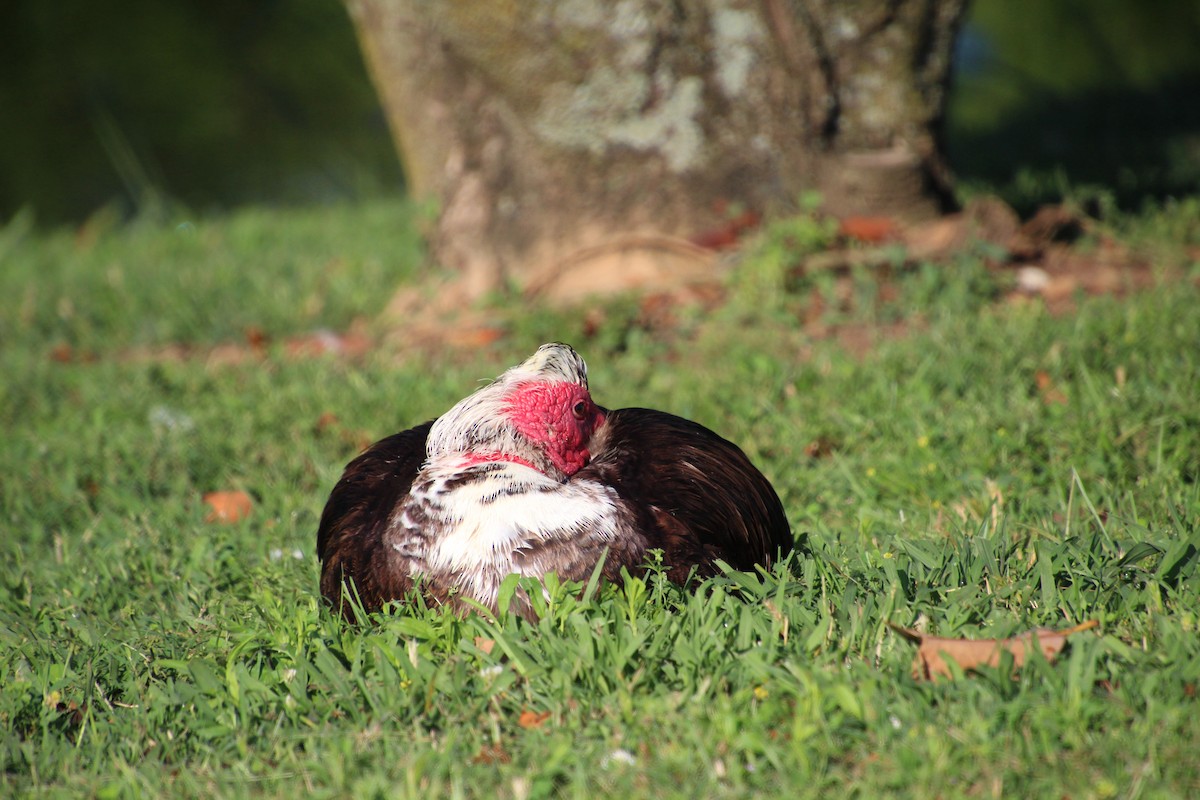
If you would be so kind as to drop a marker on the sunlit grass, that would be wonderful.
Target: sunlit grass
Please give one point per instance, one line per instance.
(102, 288)
(144, 651)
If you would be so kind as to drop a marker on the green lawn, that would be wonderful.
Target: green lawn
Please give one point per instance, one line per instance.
(147, 652)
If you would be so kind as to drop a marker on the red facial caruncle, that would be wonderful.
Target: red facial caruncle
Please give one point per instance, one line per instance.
(558, 416)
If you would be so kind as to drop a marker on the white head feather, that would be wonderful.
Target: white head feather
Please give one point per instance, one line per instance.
(479, 421)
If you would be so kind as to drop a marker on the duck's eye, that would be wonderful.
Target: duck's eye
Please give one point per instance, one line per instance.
(579, 409)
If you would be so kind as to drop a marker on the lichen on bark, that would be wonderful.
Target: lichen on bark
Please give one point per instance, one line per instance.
(548, 129)
(607, 110)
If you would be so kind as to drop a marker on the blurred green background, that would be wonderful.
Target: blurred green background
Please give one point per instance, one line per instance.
(148, 105)
(1052, 94)
(207, 103)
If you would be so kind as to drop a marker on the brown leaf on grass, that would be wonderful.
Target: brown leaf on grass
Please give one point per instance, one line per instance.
(326, 421)
(727, 234)
(257, 339)
(532, 719)
(351, 344)
(1051, 394)
(64, 353)
(820, 447)
(485, 644)
(492, 754)
(868, 229)
(934, 652)
(473, 336)
(228, 507)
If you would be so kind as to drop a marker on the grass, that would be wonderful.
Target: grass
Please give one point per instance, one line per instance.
(146, 652)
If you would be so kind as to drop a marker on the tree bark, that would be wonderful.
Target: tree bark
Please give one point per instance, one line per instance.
(603, 136)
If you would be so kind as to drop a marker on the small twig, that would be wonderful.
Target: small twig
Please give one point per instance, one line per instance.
(100, 692)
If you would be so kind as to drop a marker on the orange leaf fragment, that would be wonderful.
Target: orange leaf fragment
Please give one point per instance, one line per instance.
(934, 652)
(868, 229)
(1051, 394)
(820, 447)
(352, 344)
(727, 234)
(257, 338)
(485, 644)
(492, 754)
(228, 507)
(532, 719)
(475, 336)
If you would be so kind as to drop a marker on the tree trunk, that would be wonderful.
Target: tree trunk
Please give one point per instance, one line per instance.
(604, 136)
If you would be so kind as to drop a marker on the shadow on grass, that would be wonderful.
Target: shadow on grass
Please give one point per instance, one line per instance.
(1140, 145)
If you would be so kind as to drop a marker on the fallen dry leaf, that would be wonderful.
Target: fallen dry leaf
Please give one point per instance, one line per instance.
(351, 344)
(933, 652)
(65, 354)
(228, 507)
(820, 447)
(492, 754)
(326, 421)
(62, 353)
(868, 229)
(728, 233)
(532, 719)
(485, 644)
(474, 336)
(257, 339)
(1051, 394)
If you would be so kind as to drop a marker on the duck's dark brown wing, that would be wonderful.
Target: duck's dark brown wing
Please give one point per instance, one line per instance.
(691, 493)
(350, 536)
(698, 497)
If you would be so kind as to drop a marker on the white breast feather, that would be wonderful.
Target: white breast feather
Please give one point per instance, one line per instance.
(483, 525)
